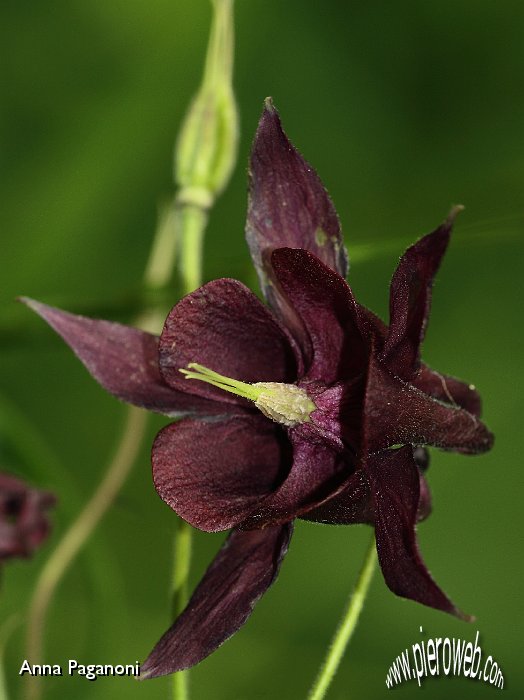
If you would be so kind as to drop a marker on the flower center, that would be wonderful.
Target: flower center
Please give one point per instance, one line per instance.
(284, 403)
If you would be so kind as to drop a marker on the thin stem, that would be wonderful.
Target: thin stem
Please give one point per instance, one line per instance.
(192, 222)
(115, 476)
(159, 267)
(346, 627)
(182, 560)
(78, 534)
(184, 222)
(219, 58)
(8, 627)
(182, 557)
(204, 159)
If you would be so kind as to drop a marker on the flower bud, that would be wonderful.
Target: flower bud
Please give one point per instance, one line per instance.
(207, 145)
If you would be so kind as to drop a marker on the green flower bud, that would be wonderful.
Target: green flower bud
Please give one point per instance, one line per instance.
(207, 145)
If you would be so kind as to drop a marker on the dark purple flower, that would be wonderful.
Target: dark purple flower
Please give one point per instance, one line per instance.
(315, 409)
(24, 524)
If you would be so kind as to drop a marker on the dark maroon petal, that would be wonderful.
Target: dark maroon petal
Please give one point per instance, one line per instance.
(11, 543)
(224, 327)
(394, 481)
(410, 299)
(338, 415)
(24, 523)
(351, 506)
(448, 389)
(12, 491)
(354, 504)
(421, 457)
(396, 413)
(372, 327)
(424, 502)
(328, 311)
(288, 206)
(316, 473)
(214, 473)
(241, 573)
(33, 524)
(123, 360)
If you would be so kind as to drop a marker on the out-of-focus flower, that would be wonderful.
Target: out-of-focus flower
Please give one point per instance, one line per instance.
(24, 523)
(314, 409)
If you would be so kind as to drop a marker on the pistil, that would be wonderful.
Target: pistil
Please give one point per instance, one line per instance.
(286, 404)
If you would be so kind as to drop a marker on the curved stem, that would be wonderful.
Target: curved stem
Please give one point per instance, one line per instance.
(78, 534)
(346, 627)
(182, 223)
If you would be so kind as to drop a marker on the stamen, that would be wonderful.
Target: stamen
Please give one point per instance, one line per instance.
(286, 404)
(233, 386)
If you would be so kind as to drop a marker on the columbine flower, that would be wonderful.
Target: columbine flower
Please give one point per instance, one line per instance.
(24, 524)
(315, 409)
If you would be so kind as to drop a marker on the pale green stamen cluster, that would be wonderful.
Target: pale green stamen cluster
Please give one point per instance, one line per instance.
(233, 386)
(286, 404)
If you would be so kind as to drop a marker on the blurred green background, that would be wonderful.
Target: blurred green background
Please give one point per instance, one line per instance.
(404, 108)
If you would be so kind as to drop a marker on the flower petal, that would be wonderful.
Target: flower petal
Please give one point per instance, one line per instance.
(396, 412)
(123, 360)
(448, 389)
(316, 473)
(353, 505)
(214, 473)
(394, 481)
(241, 573)
(421, 457)
(338, 415)
(24, 523)
(224, 327)
(410, 299)
(288, 205)
(424, 502)
(326, 306)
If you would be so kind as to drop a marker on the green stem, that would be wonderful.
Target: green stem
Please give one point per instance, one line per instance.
(207, 155)
(6, 631)
(204, 159)
(192, 220)
(346, 627)
(105, 494)
(159, 267)
(77, 535)
(182, 560)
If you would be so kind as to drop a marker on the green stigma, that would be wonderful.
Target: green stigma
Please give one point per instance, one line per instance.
(284, 403)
